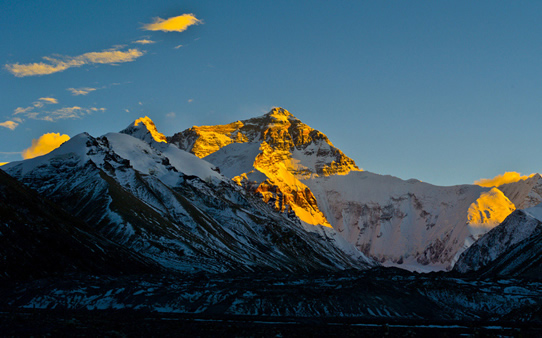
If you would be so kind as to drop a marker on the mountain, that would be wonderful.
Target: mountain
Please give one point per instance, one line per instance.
(39, 239)
(270, 155)
(174, 208)
(524, 193)
(513, 248)
(297, 170)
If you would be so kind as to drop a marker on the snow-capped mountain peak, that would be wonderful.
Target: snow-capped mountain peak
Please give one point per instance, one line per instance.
(145, 129)
(269, 155)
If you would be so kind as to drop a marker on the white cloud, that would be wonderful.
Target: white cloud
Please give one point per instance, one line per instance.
(144, 42)
(9, 124)
(50, 100)
(60, 63)
(81, 91)
(171, 115)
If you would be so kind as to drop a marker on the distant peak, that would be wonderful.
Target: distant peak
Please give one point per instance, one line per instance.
(144, 129)
(151, 127)
(280, 113)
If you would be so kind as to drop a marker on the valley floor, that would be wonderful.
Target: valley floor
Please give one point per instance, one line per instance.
(142, 323)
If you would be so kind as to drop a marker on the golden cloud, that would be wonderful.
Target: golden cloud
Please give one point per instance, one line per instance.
(50, 100)
(44, 145)
(9, 124)
(176, 24)
(2, 163)
(61, 63)
(507, 177)
(81, 91)
(144, 42)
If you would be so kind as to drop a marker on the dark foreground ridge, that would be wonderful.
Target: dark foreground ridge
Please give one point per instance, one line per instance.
(350, 303)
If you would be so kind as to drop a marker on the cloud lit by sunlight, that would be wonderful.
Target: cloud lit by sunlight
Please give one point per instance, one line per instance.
(9, 124)
(60, 63)
(81, 91)
(2, 163)
(175, 24)
(507, 177)
(44, 145)
(144, 41)
(50, 100)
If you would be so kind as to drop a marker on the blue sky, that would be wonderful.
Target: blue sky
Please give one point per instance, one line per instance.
(446, 92)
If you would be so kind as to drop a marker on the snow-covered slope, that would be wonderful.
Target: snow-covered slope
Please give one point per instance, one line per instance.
(175, 208)
(513, 246)
(297, 169)
(39, 239)
(409, 224)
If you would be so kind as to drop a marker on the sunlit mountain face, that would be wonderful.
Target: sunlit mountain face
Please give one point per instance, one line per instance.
(298, 171)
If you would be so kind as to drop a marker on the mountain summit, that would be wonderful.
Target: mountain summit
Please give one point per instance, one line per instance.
(269, 155)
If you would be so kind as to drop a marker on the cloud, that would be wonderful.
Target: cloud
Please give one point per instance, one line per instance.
(171, 115)
(50, 100)
(175, 24)
(9, 124)
(507, 177)
(60, 63)
(190, 100)
(81, 91)
(2, 163)
(44, 145)
(74, 112)
(144, 41)
(21, 110)
(178, 46)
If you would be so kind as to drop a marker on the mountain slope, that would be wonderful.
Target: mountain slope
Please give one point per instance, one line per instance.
(174, 208)
(39, 239)
(512, 248)
(297, 169)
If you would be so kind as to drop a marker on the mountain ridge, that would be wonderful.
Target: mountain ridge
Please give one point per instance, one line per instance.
(287, 164)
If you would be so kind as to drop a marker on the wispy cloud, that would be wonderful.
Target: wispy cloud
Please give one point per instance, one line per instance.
(175, 24)
(74, 112)
(178, 46)
(171, 115)
(50, 100)
(507, 177)
(81, 91)
(37, 112)
(144, 42)
(9, 124)
(44, 145)
(59, 63)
